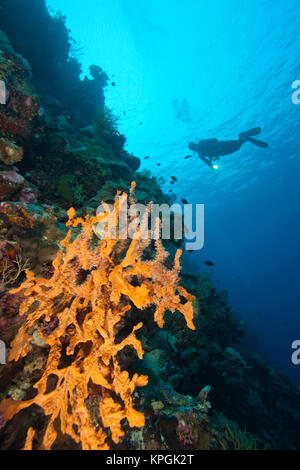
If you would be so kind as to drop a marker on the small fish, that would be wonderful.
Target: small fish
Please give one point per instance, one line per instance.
(141, 123)
(170, 190)
(113, 83)
(188, 156)
(209, 263)
(146, 158)
(184, 201)
(171, 182)
(173, 178)
(158, 164)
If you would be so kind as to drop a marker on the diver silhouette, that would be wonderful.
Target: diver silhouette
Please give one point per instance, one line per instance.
(211, 149)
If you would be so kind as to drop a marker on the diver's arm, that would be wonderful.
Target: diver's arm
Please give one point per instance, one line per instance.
(206, 160)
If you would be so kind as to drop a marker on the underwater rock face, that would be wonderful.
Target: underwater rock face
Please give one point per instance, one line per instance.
(34, 236)
(47, 47)
(13, 187)
(10, 183)
(133, 162)
(19, 116)
(28, 195)
(10, 153)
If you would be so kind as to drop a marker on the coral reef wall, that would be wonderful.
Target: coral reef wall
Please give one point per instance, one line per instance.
(45, 42)
(59, 148)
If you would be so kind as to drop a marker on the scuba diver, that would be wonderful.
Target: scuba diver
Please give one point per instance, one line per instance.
(210, 150)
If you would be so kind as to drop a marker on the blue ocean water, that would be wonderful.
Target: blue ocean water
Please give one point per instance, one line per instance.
(194, 69)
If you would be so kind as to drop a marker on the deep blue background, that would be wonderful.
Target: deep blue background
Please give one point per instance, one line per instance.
(188, 69)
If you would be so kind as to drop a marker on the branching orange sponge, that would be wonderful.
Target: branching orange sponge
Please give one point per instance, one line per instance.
(92, 288)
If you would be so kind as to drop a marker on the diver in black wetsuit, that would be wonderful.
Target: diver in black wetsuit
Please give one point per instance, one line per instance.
(211, 149)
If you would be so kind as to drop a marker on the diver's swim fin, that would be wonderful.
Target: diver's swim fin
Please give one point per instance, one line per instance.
(259, 143)
(250, 133)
